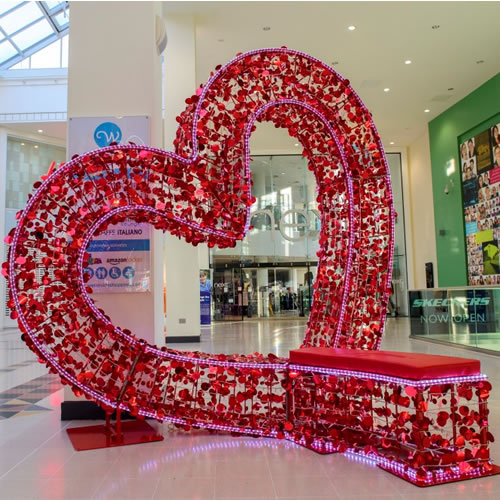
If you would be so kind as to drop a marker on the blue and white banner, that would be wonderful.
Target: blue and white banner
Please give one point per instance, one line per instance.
(121, 259)
(121, 255)
(88, 133)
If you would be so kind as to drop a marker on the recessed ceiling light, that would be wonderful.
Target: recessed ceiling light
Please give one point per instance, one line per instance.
(435, 26)
(427, 110)
(282, 173)
(334, 63)
(36, 146)
(267, 28)
(220, 40)
(387, 89)
(392, 143)
(351, 28)
(408, 61)
(296, 144)
(450, 89)
(22, 143)
(40, 130)
(481, 61)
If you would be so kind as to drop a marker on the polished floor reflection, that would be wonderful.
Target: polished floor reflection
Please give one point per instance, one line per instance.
(38, 461)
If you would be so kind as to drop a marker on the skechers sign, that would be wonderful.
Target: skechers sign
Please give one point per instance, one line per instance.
(469, 301)
(433, 311)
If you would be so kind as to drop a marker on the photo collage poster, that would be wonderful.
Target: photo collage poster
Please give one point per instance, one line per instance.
(480, 167)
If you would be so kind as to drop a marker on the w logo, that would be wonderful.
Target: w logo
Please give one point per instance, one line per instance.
(106, 133)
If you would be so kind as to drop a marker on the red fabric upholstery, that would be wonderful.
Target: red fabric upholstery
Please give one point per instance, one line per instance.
(407, 365)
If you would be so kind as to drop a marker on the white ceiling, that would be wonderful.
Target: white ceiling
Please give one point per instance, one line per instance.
(372, 56)
(55, 130)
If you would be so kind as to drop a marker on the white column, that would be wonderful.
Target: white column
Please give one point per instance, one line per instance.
(182, 264)
(263, 298)
(3, 188)
(295, 281)
(115, 70)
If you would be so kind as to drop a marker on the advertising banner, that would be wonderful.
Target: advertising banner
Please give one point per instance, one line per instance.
(89, 133)
(121, 255)
(441, 312)
(205, 297)
(121, 259)
(480, 167)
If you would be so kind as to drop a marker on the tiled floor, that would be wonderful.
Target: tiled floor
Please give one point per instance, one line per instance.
(38, 461)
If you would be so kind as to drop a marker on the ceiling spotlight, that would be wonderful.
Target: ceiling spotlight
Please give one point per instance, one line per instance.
(267, 28)
(427, 110)
(22, 143)
(435, 26)
(387, 89)
(481, 61)
(351, 28)
(40, 130)
(408, 61)
(282, 173)
(36, 146)
(296, 144)
(392, 143)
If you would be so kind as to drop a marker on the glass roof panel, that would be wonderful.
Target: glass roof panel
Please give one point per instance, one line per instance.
(62, 19)
(49, 57)
(7, 50)
(51, 5)
(5, 6)
(32, 35)
(64, 55)
(27, 27)
(20, 17)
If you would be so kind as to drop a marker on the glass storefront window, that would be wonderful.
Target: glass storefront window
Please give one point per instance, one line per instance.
(399, 297)
(270, 272)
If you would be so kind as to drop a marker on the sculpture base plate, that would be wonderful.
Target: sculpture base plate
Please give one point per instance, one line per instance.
(446, 479)
(103, 436)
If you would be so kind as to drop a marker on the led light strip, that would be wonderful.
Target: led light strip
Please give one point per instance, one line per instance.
(387, 378)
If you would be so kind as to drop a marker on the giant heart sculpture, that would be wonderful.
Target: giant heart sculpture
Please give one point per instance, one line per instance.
(202, 193)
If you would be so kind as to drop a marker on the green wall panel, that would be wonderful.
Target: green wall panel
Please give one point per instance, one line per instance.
(468, 116)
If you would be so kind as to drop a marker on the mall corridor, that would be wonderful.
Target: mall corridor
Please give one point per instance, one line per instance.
(37, 460)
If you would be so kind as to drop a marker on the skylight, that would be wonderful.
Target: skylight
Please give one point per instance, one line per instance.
(28, 27)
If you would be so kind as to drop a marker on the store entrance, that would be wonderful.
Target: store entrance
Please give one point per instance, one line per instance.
(244, 290)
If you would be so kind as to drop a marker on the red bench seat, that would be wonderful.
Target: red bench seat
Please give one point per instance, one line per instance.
(406, 365)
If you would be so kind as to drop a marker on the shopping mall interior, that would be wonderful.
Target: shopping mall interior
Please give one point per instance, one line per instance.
(81, 76)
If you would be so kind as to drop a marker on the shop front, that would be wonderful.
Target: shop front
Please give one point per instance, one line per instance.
(467, 316)
(271, 272)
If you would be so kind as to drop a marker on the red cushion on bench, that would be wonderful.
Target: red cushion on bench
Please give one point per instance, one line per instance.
(407, 365)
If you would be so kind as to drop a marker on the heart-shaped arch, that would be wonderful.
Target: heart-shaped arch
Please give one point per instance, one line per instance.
(202, 192)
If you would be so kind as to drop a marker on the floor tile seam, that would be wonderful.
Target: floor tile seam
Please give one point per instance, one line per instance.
(97, 489)
(156, 489)
(35, 450)
(271, 475)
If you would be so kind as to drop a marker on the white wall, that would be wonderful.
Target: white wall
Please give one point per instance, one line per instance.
(3, 184)
(421, 217)
(33, 91)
